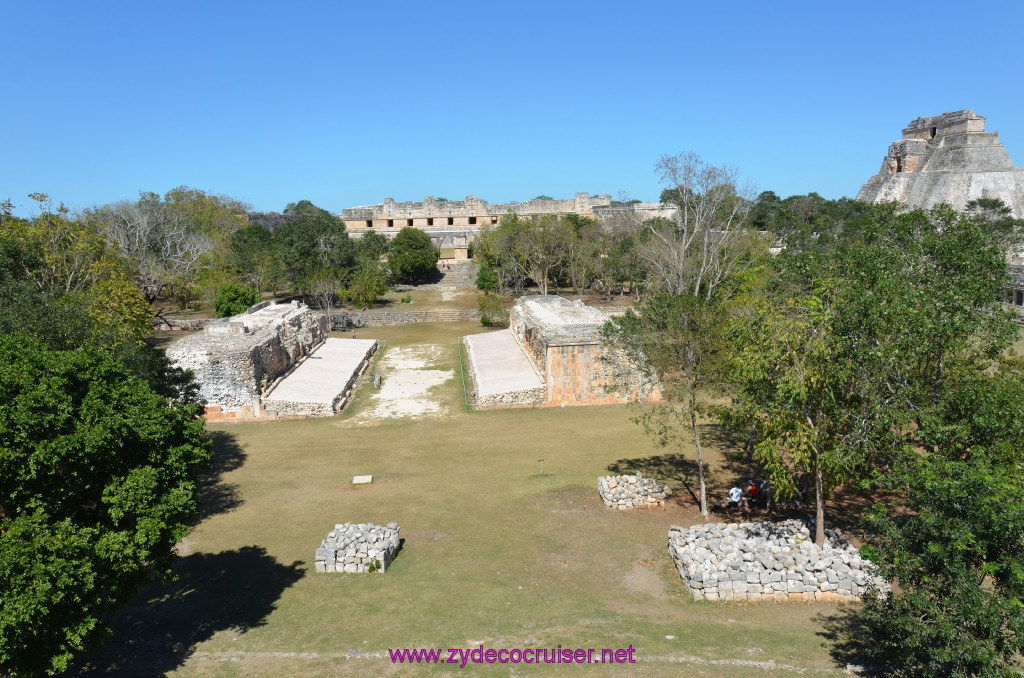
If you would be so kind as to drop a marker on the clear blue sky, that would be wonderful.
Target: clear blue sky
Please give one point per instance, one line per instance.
(346, 103)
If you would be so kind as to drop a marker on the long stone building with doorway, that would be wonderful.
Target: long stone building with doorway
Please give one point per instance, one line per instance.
(452, 224)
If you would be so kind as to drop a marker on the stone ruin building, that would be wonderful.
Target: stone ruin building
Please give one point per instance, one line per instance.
(454, 223)
(551, 355)
(947, 158)
(274, 361)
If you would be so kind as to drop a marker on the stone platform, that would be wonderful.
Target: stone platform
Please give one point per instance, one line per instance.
(502, 374)
(775, 561)
(322, 384)
(358, 547)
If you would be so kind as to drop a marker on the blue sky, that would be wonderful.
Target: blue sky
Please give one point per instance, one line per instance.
(348, 103)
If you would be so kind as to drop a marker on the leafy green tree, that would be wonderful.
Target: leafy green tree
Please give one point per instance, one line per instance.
(369, 282)
(233, 299)
(69, 272)
(256, 254)
(492, 311)
(844, 364)
(97, 484)
(486, 280)
(677, 340)
(315, 249)
(373, 246)
(503, 250)
(413, 255)
(955, 539)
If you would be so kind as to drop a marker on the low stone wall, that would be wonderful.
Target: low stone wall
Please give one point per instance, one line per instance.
(358, 547)
(182, 324)
(631, 491)
(769, 561)
(348, 319)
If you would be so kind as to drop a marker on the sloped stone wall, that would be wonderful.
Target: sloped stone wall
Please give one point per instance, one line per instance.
(769, 561)
(233, 360)
(627, 492)
(344, 320)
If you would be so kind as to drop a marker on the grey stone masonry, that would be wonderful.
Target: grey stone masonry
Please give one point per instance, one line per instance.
(947, 158)
(342, 320)
(770, 561)
(358, 547)
(631, 491)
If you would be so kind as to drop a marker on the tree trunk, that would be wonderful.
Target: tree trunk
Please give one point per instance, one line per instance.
(819, 502)
(700, 462)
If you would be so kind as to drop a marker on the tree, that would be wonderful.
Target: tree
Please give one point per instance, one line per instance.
(486, 280)
(955, 540)
(315, 249)
(233, 299)
(799, 390)
(492, 311)
(256, 254)
(546, 243)
(413, 255)
(846, 360)
(97, 485)
(707, 237)
(373, 246)
(679, 341)
(65, 283)
(503, 250)
(168, 239)
(369, 282)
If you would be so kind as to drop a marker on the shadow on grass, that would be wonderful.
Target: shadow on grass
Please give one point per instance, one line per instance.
(217, 495)
(850, 643)
(674, 470)
(231, 590)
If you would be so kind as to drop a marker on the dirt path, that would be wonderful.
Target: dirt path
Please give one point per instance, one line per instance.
(408, 376)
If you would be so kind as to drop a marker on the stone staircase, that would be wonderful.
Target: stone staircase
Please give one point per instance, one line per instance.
(462, 276)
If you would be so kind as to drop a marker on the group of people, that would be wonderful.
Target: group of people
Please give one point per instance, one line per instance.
(758, 492)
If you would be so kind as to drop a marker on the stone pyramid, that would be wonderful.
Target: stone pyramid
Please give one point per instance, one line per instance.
(947, 158)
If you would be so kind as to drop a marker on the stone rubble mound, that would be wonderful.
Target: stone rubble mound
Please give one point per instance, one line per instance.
(770, 561)
(358, 547)
(631, 491)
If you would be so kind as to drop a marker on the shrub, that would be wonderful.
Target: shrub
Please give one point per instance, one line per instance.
(233, 299)
(492, 311)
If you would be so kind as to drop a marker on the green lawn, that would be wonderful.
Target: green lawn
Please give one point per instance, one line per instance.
(494, 552)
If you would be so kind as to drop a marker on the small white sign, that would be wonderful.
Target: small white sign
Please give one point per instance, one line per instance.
(361, 480)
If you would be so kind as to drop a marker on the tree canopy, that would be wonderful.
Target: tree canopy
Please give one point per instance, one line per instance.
(413, 255)
(97, 484)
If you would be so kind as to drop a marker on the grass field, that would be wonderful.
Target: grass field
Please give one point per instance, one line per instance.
(494, 552)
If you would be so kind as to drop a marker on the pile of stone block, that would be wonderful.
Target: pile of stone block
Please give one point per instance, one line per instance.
(770, 561)
(631, 491)
(358, 547)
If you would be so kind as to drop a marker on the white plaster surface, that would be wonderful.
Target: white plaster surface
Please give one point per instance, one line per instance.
(325, 373)
(499, 364)
(361, 480)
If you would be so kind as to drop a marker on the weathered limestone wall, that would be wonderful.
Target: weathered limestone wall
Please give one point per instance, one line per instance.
(627, 492)
(769, 561)
(563, 340)
(343, 320)
(460, 213)
(362, 547)
(949, 159)
(233, 360)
